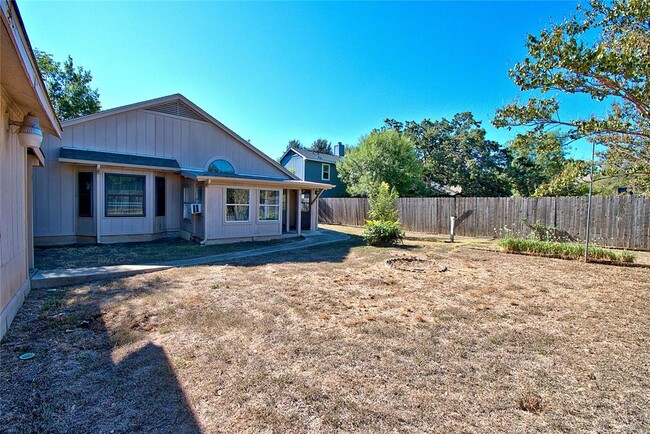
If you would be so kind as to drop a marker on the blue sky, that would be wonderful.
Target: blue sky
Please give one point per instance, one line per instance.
(278, 71)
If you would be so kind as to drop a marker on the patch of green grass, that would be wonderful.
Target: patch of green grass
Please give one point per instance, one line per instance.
(52, 303)
(562, 250)
(125, 336)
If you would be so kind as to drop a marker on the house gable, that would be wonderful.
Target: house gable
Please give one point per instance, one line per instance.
(294, 163)
(168, 127)
(178, 108)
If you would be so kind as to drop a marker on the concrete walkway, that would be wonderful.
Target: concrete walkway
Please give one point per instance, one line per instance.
(73, 276)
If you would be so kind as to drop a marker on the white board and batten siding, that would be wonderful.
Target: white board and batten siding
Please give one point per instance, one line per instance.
(15, 216)
(56, 218)
(217, 229)
(193, 143)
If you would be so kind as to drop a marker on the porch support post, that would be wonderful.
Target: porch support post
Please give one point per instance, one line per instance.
(98, 203)
(288, 210)
(298, 215)
(313, 216)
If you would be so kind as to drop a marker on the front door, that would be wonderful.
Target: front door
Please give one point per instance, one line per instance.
(305, 211)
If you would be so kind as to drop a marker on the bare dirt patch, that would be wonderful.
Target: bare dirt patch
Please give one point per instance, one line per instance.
(332, 339)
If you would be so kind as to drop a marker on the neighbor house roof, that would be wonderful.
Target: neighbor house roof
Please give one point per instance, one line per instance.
(448, 190)
(313, 156)
(75, 155)
(202, 113)
(232, 178)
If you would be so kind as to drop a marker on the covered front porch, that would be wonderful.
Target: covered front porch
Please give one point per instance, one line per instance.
(300, 210)
(239, 207)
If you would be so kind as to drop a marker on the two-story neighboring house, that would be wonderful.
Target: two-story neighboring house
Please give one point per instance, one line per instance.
(316, 167)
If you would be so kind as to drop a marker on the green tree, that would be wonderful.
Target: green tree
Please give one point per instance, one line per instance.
(294, 144)
(571, 181)
(322, 146)
(456, 153)
(537, 160)
(602, 51)
(68, 87)
(381, 156)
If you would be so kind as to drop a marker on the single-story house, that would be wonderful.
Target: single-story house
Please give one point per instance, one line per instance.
(316, 167)
(164, 168)
(26, 113)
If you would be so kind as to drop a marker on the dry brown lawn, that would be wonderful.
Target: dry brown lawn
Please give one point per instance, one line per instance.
(334, 339)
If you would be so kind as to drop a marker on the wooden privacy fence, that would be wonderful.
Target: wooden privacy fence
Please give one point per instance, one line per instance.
(617, 221)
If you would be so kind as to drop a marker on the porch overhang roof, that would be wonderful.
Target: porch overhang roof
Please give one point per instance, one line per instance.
(253, 180)
(87, 156)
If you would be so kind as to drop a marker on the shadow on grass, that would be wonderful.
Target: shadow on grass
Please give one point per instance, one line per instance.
(145, 253)
(74, 384)
(329, 253)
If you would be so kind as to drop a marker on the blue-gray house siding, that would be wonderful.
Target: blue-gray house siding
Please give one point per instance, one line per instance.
(310, 168)
(294, 163)
(313, 170)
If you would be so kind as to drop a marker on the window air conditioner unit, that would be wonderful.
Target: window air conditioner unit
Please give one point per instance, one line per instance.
(195, 208)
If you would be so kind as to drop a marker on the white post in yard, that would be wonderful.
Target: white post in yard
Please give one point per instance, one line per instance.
(452, 222)
(298, 216)
(451, 229)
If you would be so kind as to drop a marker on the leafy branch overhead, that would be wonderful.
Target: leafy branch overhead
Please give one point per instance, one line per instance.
(602, 51)
(68, 87)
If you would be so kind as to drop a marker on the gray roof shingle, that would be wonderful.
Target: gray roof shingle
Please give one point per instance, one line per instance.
(317, 156)
(117, 159)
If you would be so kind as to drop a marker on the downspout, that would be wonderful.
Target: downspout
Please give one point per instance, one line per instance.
(204, 208)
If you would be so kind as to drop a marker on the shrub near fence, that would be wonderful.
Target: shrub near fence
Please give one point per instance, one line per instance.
(617, 221)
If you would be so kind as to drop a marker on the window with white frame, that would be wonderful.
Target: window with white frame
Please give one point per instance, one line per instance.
(188, 197)
(269, 205)
(325, 173)
(238, 205)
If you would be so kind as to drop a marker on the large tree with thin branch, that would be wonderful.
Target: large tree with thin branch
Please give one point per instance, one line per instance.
(603, 51)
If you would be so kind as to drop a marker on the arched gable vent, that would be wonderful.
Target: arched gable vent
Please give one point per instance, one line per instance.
(177, 108)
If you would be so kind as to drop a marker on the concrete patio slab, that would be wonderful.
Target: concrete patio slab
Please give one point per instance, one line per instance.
(73, 276)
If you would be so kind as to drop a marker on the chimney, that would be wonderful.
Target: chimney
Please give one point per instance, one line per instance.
(339, 149)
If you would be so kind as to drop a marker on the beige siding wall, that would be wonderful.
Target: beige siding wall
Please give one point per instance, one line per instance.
(56, 223)
(216, 226)
(194, 144)
(14, 236)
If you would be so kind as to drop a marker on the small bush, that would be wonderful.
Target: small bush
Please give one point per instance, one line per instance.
(383, 203)
(548, 233)
(562, 250)
(382, 233)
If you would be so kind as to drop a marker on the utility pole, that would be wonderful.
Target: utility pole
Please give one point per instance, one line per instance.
(591, 186)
